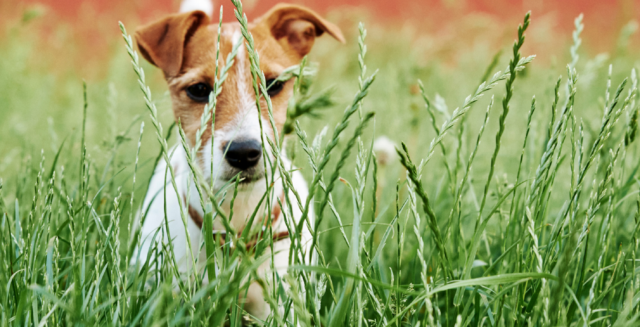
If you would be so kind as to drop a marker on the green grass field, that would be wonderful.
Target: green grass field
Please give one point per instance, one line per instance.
(510, 202)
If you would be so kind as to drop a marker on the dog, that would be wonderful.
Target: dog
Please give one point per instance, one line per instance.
(183, 46)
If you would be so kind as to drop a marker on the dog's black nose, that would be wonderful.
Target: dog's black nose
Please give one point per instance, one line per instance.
(243, 154)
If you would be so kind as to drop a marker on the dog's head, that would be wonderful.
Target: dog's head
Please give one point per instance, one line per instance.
(184, 47)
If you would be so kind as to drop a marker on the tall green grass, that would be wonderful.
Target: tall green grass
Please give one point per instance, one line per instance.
(537, 226)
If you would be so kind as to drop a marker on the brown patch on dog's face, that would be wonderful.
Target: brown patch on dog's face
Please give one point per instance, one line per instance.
(184, 47)
(237, 91)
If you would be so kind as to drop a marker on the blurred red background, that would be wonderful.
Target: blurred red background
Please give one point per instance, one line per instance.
(92, 24)
(607, 14)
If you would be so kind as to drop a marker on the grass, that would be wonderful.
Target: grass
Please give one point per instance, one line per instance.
(536, 226)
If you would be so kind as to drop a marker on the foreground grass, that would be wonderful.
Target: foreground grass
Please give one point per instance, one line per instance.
(511, 210)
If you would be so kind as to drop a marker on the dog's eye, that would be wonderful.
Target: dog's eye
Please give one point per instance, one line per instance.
(199, 92)
(274, 87)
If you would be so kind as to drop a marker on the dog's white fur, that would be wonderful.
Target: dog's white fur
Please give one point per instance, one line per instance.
(203, 5)
(245, 203)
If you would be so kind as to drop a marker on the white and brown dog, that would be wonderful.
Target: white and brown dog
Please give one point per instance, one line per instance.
(184, 47)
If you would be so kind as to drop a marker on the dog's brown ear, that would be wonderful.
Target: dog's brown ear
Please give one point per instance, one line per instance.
(162, 42)
(296, 27)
